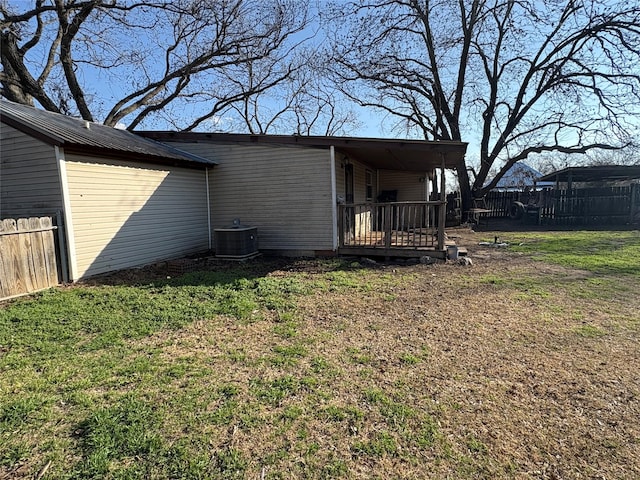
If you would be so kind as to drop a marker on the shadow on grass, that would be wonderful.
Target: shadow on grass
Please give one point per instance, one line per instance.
(134, 304)
(507, 224)
(209, 271)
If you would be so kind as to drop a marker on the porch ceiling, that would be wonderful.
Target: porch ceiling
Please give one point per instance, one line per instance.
(387, 154)
(413, 157)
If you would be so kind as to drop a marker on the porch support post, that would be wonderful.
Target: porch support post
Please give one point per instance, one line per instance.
(427, 196)
(335, 231)
(442, 214)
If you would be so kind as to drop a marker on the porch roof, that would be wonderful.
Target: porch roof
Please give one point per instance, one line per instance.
(594, 174)
(381, 153)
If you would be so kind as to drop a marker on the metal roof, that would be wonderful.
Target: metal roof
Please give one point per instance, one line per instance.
(75, 134)
(387, 154)
(594, 174)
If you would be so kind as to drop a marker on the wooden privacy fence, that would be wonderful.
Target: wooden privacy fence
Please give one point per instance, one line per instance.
(591, 206)
(576, 206)
(500, 202)
(27, 256)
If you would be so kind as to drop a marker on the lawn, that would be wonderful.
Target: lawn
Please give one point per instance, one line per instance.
(523, 365)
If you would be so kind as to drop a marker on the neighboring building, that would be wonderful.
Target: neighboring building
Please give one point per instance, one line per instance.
(124, 200)
(519, 177)
(594, 176)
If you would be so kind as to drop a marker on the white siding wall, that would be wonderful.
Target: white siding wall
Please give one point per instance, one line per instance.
(283, 191)
(359, 179)
(408, 184)
(130, 214)
(29, 181)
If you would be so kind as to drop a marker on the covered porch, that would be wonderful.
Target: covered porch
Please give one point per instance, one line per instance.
(391, 196)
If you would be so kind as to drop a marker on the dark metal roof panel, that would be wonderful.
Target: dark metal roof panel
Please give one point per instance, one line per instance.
(594, 174)
(66, 131)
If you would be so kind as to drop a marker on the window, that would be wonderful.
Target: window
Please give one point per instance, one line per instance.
(369, 185)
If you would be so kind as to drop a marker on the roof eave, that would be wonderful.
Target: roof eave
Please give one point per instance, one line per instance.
(79, 149)
(42, 135)
(593, 174)
(436, 153)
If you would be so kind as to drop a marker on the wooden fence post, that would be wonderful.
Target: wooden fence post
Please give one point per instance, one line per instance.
(634, 210)
(388, 218)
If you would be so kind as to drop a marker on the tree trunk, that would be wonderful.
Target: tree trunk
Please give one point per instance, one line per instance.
(466, 195)
(12, 89)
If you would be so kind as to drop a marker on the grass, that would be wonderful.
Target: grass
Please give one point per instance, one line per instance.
(603, 252)
(332, 370)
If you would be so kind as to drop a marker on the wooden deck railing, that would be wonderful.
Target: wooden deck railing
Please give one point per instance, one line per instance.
(397, 225)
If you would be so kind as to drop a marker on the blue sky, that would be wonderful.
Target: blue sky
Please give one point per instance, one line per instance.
(104, 87)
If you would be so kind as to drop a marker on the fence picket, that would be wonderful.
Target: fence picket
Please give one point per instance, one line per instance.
(9, 282)
(27, 256)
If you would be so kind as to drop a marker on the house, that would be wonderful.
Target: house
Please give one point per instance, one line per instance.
(312, 195)
(126, 199)
(519, 177)
(122, 200)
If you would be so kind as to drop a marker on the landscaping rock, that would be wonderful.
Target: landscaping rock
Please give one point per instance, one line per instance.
(427, 260)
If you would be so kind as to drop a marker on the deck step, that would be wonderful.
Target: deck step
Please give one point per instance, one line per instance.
(462, 252)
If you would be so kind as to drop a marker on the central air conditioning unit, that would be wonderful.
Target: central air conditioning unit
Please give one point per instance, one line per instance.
(236, 242)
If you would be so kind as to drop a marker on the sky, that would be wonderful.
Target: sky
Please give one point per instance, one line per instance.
(105, 86)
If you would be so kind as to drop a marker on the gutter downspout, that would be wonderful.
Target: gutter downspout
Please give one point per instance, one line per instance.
(72, 263)
(427, 196)
(334, 199)
(442, 214)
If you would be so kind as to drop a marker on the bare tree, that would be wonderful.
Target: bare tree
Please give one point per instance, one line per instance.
(140, 61)
(517, 77)
(298, 99)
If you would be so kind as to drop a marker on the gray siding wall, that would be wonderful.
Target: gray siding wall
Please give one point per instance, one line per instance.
(283, 191)
(29, 180)
(127, 214)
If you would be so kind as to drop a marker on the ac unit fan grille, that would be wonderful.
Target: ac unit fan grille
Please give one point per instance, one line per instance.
(236, 242)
